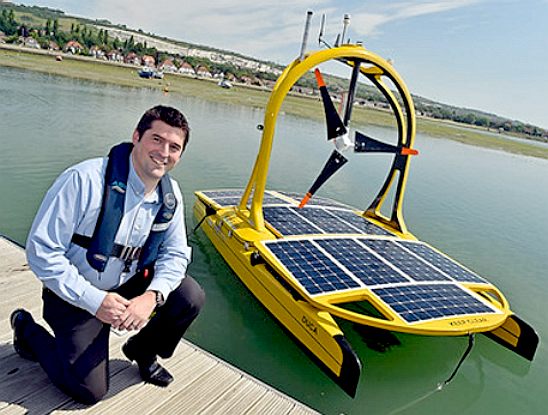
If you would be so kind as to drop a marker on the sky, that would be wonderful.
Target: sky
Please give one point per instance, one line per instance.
(490, 55)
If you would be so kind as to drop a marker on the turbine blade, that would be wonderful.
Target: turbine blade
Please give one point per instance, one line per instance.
(366, 144)
(335, 126)
(333, 164)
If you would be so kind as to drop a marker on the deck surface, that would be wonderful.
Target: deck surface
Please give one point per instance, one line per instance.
(204, 384)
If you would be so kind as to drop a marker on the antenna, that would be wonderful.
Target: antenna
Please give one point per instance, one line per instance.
(322, 27)
(346, 23)
(305, 35)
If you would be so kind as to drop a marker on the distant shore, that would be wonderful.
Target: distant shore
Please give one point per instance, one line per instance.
(126, 75)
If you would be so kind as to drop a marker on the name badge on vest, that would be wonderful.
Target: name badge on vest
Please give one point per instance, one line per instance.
(160, 227)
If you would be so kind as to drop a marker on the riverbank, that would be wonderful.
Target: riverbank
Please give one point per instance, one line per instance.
(125, 75)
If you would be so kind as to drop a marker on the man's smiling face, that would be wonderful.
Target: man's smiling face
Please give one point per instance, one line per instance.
(157, 151)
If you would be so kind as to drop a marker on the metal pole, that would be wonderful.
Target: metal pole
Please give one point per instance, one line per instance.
(305, 35)
(346, 22)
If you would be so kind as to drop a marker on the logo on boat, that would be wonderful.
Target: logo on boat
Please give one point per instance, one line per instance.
(464, 321)
(309, 325)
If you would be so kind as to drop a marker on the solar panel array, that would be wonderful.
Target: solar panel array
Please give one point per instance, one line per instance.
(457, 271)
(321, 217)
(316, 200)
(226, 198)
(312, 268)
(426, 302)
(399, 272)
(287, 222)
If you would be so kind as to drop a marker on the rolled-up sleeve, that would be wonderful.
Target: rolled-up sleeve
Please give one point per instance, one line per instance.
(49, 240)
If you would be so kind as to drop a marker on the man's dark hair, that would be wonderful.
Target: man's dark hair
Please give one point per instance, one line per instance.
(169, 115)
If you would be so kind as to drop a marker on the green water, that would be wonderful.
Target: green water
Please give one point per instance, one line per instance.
(487, 209)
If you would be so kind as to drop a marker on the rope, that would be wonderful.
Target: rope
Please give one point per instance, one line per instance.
(464, 356)
(208, 212)
(442, 384)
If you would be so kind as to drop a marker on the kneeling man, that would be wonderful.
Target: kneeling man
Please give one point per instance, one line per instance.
(109, 245)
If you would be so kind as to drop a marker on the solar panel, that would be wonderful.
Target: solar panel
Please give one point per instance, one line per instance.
(287, 222)
(411, 287)
(316, 200)
(312, 269)
(440, 261)
(232, 197)
(359, 222)
(403, 260)
(293, 221)
(309, 220)
(366, 266)
(431, 301)
(324, 220)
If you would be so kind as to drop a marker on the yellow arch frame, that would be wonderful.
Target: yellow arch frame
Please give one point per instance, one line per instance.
(348, 54)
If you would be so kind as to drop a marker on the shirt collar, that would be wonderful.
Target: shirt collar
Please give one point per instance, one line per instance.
(137, 185)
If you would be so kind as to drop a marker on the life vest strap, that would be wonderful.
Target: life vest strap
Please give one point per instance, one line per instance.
(124, 252)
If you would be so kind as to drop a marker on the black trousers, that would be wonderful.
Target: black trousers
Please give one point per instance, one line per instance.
(76, 358)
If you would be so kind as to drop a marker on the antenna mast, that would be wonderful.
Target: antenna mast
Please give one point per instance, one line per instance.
(346, 23)
(305, 35)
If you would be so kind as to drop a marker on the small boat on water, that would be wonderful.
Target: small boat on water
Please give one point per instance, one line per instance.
(311, 260)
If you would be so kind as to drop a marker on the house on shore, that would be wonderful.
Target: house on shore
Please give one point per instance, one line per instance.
(187, 69)
(133, 59)
(52, 45)
(149, 61)
(29, 42)
(203, 72)
(74, 47)
(97, 52)
(167, 66)
(115, 56)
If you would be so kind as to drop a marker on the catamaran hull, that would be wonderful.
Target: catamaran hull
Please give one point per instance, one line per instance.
(314, 330)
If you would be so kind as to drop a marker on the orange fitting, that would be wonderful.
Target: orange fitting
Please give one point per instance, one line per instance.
(319, 77)
(409, 151)
(305, 200)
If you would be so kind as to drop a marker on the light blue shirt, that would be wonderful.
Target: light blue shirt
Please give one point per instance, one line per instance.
(72, 205)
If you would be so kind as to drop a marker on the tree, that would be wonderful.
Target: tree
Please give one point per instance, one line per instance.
(8, 24)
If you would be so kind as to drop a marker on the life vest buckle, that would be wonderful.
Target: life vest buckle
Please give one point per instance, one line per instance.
(130, 253)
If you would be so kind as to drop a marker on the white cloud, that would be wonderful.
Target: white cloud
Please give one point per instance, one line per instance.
(369, 19)
(247, 26)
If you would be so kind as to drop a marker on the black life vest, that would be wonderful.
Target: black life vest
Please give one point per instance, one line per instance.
(100, 246)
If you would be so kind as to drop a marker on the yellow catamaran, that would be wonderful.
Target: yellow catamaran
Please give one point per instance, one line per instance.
(310, 259)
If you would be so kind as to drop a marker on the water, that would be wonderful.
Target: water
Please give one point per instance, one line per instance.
(486, 208)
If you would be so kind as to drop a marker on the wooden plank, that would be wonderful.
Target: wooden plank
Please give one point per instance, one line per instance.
(271, 403)
(129, 394)
(198, 395)
(203, 383)
(237, 399)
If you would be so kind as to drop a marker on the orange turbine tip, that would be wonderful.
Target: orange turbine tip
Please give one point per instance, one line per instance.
(319, 77)
(305, 200)
(409, 151)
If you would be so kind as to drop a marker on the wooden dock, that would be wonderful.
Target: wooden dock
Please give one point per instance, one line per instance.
(204, 384)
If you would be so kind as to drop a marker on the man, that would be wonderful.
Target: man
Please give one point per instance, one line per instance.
(109, 245)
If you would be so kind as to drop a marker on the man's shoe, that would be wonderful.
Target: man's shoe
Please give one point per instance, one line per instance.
(19, 319)
(150, 370)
